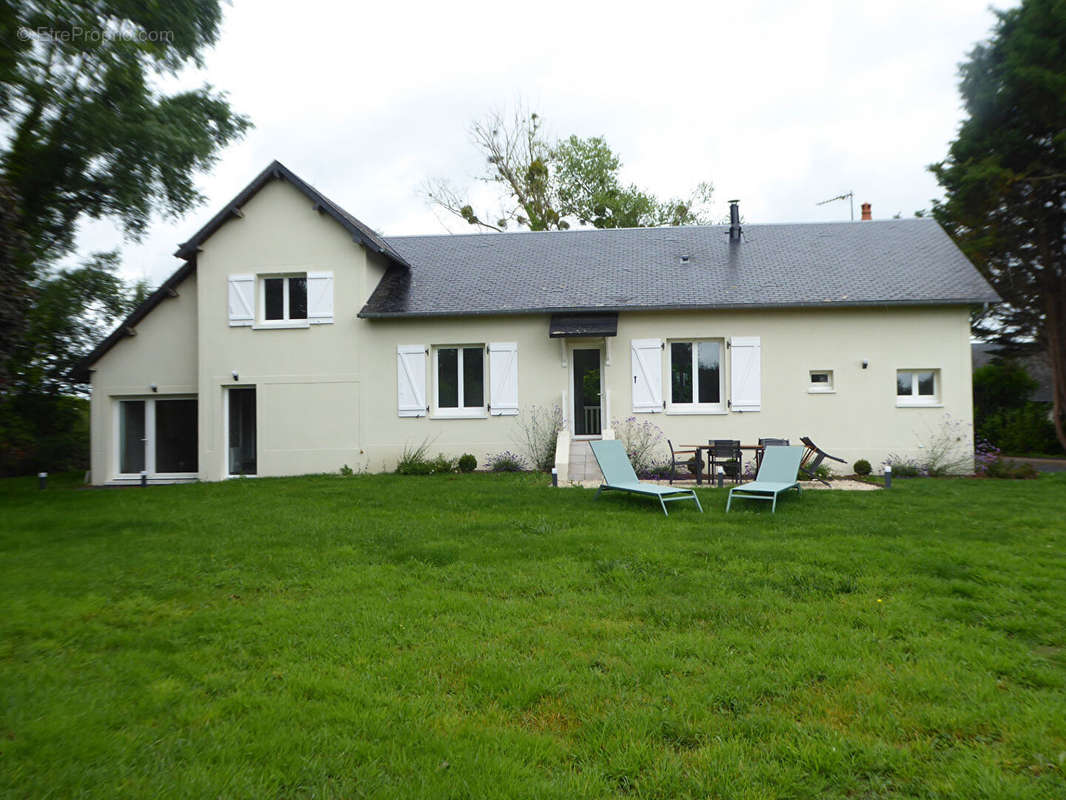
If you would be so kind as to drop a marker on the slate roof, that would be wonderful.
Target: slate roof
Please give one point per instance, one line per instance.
(894, 262)
(890, 262)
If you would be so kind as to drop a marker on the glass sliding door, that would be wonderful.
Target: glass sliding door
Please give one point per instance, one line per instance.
(175, 436)
(157, 436)
(132, 441)
(242, 431)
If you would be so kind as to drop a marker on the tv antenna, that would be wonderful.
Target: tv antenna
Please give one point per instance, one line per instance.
(849, 196)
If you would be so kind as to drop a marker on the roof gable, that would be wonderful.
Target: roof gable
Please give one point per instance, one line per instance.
(360, 232)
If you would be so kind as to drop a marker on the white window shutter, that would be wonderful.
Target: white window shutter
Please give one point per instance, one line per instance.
(319, 298)
(411, 380)
(745, 367)
(241, 300)
(503, 378)
(647, 362)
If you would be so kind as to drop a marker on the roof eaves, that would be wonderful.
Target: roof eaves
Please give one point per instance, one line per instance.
(368, 313)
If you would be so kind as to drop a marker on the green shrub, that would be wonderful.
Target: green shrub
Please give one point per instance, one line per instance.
(1001, 468)
(43, 433)
(347, 471)
(862, 467)
(467, 463)
(442, 464)
(1021, 430)
(904, 467)
(507, 462)
(823, 473)
(414, 461)
(538, 428)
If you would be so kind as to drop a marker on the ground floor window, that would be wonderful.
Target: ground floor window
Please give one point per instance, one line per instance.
(460, 374)
(821, 381)
(241, 431)
(917, 387)
(158, 436)
(696, 375)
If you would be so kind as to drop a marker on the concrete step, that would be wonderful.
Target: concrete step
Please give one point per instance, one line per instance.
(583, 466)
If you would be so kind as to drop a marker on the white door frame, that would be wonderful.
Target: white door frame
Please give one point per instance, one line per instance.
(225, 428)
(571, 413)
(149, 438)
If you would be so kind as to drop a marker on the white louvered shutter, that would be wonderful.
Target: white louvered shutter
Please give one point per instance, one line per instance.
(647, 362)
(411, 380)
(745, 367)
(319, 297)
(503, 378)
(241, 300)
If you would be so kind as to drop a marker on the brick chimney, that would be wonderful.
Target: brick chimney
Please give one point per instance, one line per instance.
(866, 212)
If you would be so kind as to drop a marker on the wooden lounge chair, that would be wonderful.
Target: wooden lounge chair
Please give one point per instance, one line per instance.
(777, 474)
(618, 474)
(813, 456)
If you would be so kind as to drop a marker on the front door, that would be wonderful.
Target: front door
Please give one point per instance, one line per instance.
(587, 392)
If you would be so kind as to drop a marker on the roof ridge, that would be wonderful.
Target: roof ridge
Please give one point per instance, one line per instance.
(722, 226)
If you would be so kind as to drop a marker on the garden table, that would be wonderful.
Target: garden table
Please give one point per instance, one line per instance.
(699, 448)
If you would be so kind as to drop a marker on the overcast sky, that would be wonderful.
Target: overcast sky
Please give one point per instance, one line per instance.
(778, 103)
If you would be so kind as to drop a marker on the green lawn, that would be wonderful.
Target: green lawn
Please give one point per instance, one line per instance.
(487, 636)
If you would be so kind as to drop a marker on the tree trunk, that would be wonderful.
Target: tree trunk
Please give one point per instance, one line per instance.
(1055, 329)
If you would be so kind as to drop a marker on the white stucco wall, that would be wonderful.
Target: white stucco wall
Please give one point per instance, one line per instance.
(163, 352)
(308, 380)
(860, 419)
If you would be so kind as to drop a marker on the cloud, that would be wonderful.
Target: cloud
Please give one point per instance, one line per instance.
(781, 104)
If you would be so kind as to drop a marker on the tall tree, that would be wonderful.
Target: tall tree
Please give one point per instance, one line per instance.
(1005, 180)
(87, 132)
(90, 133)
(548, 185)
(14, 288)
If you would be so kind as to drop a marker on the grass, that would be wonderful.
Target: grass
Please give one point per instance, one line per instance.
(487, 636)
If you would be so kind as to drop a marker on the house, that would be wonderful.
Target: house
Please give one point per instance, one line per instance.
(294, 339)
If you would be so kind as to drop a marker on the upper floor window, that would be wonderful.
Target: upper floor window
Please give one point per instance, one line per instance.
(460, 380)
(696, 376)
(917, 387)
(284, 298)
(280, 300)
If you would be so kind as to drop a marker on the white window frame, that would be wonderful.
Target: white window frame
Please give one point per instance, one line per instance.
(225, 428)
(462, 412)
(914, 399)
(821, 388)
(260, 290)
(695, 407)
(149, 438)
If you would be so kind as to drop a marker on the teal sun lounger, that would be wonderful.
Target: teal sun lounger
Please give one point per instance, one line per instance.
(777, 474)
(618, 474)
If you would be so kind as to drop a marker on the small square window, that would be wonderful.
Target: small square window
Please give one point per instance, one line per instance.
(917, 387)
(821, 381)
